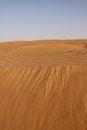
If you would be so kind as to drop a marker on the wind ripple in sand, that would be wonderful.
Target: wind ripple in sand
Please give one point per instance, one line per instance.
(43, 86)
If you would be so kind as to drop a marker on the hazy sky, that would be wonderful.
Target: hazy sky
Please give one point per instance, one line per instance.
(43, 19)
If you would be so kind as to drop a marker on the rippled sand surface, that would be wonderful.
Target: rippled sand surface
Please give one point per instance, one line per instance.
(43, 85)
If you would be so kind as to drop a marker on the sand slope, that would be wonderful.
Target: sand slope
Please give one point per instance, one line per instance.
(43, 53)
(43, 85)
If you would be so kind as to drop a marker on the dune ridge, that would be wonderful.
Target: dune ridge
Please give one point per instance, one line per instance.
(47, 53)
(43, 85)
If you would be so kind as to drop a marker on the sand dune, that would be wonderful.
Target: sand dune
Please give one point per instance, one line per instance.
(43, 85)
(43, 53)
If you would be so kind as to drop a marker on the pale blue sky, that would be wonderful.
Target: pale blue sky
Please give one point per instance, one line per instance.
(43, 19)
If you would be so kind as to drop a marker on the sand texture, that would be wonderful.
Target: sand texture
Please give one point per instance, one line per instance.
(43, 85)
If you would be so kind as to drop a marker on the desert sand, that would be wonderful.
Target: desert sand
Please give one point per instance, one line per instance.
(43, 85)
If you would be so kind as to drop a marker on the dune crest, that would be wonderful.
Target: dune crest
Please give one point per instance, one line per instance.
(43, 53)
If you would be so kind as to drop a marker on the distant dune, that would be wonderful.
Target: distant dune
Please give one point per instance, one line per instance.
(43, 85)
(43, 53)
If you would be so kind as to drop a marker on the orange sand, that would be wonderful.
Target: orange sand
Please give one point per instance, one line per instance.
(43, 85)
